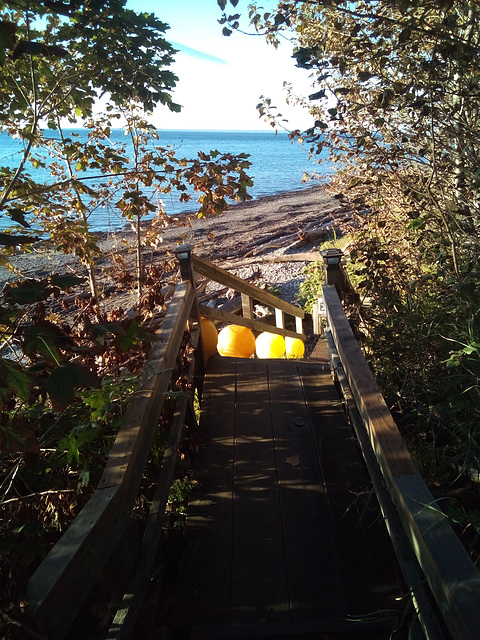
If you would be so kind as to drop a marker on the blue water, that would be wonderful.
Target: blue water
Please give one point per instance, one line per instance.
(278, 165)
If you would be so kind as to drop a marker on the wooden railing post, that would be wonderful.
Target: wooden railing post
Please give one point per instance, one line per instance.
(337, 276)
(333, 270)
(183, 253)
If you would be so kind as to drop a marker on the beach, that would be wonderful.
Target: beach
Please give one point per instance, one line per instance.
(211, 237)
(224, 239)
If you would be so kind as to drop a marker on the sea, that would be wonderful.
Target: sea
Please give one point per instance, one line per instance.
(278, 165)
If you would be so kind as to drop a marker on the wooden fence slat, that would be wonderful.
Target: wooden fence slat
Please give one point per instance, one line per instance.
(452, 577)
(247, 306)
(217, 314)
(279, 319)
(222, 276)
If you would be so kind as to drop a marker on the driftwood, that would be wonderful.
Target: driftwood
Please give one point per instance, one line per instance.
(310, 256)
(277, 238)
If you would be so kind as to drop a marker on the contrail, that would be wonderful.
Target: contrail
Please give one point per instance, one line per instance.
(195, 53)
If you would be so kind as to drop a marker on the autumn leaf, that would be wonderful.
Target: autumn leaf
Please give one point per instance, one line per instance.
(293, 461)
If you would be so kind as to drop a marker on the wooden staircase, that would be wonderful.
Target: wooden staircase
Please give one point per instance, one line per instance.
(284, 535)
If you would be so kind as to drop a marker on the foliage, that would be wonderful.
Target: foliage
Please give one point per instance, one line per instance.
(67, 364)
(311, 285)
(395, 99)
(430, 378)
(57, 60)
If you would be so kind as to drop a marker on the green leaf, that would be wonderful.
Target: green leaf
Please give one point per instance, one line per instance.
(8, 315)
(364, 76)
(415, 224)
(27, 291)
(14, 241)
(45, 339)
(317, 96)
(19, 380)
(14, 381)
(65, 379)
(18, 215)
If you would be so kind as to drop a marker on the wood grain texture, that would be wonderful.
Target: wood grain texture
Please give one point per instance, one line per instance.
(132, 444)
(59, 587)
(453, 579)
(204, 585)
(259, 584)
(217, 274)
(257, 325)
(315, 582)
(268, 560)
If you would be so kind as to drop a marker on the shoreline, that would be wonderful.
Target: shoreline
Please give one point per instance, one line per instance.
(239, 225)
(185, 217)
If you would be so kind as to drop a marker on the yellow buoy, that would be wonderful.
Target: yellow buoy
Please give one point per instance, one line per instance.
(209, 337)
(294, 348)
(269, 345)
(235, 341)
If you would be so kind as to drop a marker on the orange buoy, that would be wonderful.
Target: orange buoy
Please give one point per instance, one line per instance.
(235, 341)
(269, 345)
(294, 348)
(209, 337)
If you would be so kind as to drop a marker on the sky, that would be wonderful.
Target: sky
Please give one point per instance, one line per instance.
(222, 78)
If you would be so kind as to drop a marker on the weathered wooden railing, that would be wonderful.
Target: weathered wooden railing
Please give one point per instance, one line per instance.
(101, 542)
(250, 293)
(443, 563)
(102, 545)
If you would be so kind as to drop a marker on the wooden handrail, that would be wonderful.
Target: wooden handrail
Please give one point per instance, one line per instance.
(251, 323)
(453, 579)
(60, 586)
(249, 293)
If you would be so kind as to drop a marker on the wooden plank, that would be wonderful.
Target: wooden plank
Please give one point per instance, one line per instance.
(203, 590)
(256, 325)
(425, 609)
(387, 442)
(247, 306)
(67, 574)
(132, 445)
(315, 584)
(279, 319)
(222, 276)
(453, 579)
(58, 588)
(365, 555)
(330, 629)
(299, 325)
(259, 589)
(125, 619)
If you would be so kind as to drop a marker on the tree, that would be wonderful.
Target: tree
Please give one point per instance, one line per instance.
(57, 59)
(59, 374)
(396, 100)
